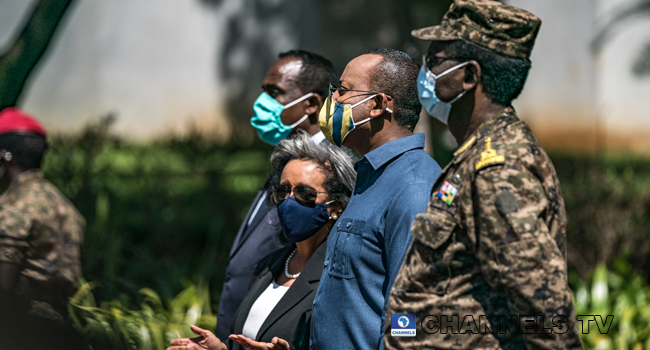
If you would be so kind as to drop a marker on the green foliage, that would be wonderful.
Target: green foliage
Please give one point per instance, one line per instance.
(167, 211)
(622, 294)
(608, 210)
(152, 327)
(157, 213)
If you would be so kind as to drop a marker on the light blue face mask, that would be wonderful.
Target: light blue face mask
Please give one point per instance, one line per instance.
(267, 118)
(427, 93)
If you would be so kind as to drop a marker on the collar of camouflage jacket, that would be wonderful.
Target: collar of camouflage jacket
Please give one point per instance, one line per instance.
(486, 129)
(27, 177)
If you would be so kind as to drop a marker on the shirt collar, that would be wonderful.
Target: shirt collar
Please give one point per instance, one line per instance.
(384, 153)
(26, 177)
(491, 124)
(318, 137)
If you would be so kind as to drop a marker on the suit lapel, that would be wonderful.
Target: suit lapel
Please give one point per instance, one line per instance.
(300, 288)
(244, 230)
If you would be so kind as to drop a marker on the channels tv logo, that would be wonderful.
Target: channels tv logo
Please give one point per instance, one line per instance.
(402, 325)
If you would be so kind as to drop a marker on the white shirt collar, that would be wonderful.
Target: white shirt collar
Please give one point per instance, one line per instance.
(318, 138)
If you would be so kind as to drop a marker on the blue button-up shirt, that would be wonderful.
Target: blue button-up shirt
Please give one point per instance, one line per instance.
(366, 246)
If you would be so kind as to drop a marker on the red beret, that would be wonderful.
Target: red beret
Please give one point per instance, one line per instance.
(14, 120)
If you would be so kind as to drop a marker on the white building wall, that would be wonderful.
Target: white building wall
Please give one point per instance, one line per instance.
(155, 64)
(580, 99)
(152, 62)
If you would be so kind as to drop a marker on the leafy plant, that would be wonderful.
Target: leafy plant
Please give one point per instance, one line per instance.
(113, 326)
(158, 212)
(620, 293)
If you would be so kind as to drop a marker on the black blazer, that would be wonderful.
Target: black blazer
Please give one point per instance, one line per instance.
(291, 317)
(252, 243)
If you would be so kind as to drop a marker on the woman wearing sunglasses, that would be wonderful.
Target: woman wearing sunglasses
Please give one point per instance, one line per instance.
(311, 186)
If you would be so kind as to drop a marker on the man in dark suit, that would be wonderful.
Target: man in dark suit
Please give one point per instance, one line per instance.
(293, 93)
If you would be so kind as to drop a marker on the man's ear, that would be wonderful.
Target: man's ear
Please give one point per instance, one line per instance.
(472, 75)
(315, 104)
(381, 104)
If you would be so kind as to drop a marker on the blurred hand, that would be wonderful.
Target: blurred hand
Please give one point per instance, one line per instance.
(275, 344)
(206, 340)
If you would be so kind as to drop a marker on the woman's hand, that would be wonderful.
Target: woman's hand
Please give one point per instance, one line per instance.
(275, 344)
(206, 340)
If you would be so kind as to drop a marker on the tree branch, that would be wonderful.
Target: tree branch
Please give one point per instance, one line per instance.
(17, 63)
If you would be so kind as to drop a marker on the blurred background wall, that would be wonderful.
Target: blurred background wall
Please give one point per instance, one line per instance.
(579, 97)
(151, 62)
(160, 65)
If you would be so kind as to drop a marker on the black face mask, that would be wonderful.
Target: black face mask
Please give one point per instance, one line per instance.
(300, 222)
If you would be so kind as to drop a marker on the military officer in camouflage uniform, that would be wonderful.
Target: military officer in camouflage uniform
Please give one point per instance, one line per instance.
(487, 266)
(40, 237)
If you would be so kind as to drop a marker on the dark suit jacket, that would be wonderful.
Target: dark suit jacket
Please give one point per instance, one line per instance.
(251, 244)
(291, 317)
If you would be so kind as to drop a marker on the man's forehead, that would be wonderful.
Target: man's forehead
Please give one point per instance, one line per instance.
(287, 68)
(358, 70)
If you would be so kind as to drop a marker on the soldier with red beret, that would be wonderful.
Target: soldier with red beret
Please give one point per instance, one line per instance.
(40, 237)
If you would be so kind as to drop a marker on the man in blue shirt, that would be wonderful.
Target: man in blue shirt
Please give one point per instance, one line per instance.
(373, 112)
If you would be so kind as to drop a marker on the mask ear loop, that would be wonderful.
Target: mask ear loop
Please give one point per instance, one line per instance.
(450, 70)
(299, 121)
(362, 101)
(291, 104)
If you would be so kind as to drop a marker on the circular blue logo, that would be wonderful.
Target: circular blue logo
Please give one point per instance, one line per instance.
(403, 321)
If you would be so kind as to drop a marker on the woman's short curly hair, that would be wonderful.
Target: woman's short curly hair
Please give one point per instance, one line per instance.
(336, 163)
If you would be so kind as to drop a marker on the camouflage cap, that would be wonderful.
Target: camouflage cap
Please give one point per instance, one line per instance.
(494, 26)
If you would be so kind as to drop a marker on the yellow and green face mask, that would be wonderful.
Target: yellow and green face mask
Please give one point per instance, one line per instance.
(335, 120)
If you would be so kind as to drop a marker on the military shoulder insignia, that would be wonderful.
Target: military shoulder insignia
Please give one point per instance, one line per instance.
(465, 146)
(489, 156)
(447, 193)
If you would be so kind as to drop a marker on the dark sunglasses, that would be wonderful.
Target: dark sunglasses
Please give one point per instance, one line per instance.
(304, 195)
(432, 61)
(333, 89)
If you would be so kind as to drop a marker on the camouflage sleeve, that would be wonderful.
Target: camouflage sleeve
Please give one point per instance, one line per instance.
(519, 258)
(14, 231)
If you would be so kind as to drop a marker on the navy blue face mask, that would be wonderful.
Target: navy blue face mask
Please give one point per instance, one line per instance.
(300, 222)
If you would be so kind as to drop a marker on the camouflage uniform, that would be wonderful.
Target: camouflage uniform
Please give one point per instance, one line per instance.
(492, 240)
(41, 231)
(497, 249)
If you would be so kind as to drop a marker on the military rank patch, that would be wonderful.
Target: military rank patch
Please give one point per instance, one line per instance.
(489, 156)
(447, 193)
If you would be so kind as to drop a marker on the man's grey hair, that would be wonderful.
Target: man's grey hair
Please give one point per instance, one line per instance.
(336, 163)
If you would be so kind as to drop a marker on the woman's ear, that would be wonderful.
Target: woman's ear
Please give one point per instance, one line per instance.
(334, 210)
(315, 104)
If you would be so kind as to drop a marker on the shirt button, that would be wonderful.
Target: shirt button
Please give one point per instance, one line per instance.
(326, 262)
(338, 225)
(357, 191)
(348, 224)
(8, 255)
(456, 179)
